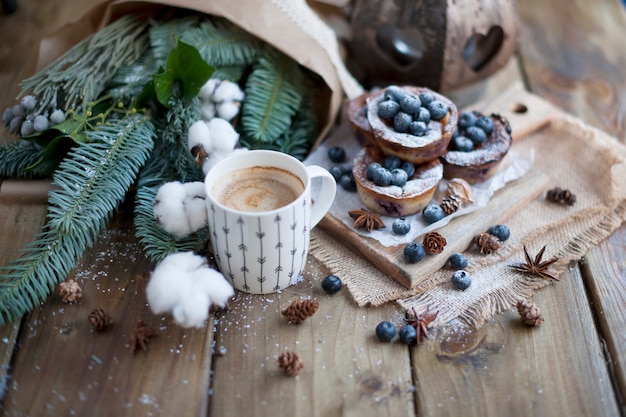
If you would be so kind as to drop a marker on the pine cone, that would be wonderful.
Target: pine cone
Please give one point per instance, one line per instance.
(300, 310)
(529, 312)
(460, 189)
(100, 319)
(561, 196)
(434, 243)
(487, 243)
(70, 291)
(450, 204)
(290, 363)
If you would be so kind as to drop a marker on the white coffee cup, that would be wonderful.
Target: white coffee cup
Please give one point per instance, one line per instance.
(263, 249)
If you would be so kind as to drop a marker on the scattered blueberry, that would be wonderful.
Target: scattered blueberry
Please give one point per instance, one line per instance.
(485, 123)
(392, 162)
(410, 104)
(347, 182)
(386, 331)
(501, 231)
(388, 109)
(401, 226)
(409, 168)
(425, 97)
(401, 122)
(382, 177)
(476, 134)
(423, 115)
(336, 154)
(399, 177)
(433, 213)
(461, 279)
(417, 128)
(457, 261)
(467, 119)
(438, 109)
(336, 171)
(393, 92)
(331, 284)
(371, 170)
(463, 144)
(408, 334)
(414, 252)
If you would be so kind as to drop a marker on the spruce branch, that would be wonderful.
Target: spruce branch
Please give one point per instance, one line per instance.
(16, 156)
(165, 35)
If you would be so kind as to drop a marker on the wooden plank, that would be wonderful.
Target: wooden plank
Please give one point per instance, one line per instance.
(347, 371)
(507, 368)
(64, 367)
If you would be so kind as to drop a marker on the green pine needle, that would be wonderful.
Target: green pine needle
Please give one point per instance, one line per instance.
(15, 157)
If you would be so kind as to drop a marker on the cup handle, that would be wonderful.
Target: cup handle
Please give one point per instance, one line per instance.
(326, 195)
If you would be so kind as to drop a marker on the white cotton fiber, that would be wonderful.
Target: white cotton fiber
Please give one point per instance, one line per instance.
(199, 134)
(194, 189)
(196, 213)
(208, 110)
(214, 284)
(185, 261)
(227, 91)
(227, 110)
(193, 311)
(208, 89)
(167, 286)
(224, 136)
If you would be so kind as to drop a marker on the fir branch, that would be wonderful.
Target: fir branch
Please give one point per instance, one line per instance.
(302, 132)
(129, 80)
(95, 177)
(16, 156)
(273, 95)
(164, 35)
(80, 75)
(221, 43)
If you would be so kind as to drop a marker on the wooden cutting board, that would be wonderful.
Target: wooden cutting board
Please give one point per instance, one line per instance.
(527, 114)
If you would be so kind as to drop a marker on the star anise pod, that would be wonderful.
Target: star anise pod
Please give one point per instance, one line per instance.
(536, 266)
(421, 322)
(140, 336)
(366, 219)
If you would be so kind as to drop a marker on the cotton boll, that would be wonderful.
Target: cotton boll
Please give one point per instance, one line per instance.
(207, 90)
(214, 284)
(224, 135)
(193, 310)
(169, 210)
(228, 91)
(167, 286)
(194, 189)
(228, 110)
(196, 213)
(173, 190)
(185, 261)
(208, 110)
(199, 134)
(213, 159)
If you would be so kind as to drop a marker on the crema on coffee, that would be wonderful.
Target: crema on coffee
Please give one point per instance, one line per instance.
(258, 188)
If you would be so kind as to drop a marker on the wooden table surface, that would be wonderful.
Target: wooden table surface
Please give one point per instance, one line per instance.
(53, 364)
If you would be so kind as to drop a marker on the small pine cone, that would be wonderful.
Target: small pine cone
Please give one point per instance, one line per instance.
(561, 196)
(100, 320)
(434, 243)
(460, 189)
(487, 243)
(300, 310)
(70, 291)
(140, 336)
(290, 363)
(529, 312)
(450, 204)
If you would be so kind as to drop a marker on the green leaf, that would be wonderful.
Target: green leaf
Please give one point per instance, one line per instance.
(52, 156)
(186, 66)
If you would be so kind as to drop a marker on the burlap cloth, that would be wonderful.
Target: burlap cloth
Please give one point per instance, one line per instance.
(574, 156)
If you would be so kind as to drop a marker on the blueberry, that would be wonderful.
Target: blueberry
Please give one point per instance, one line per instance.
(382, 177)
(336, 154)
(463, 144)
(417, 128)
(371, 169)
(399, 177)
(401, 226)
(395, 93)
(410, 104)
(392, 162)
(457, 261)
(401, 122)
(408, 334)
(433, 213)
(331, 284)
(409, 168)
(485, 123)
(461, 279)
(336, 171)
(476, 135)
(414, 252)
(386, 331)
(347, 182)
(423, 115)
(425, 97)
(501, 231)
(388, 109)
(467, 119)
(438, 109)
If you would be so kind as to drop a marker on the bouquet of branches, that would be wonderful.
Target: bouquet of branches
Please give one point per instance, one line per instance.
(114, 113)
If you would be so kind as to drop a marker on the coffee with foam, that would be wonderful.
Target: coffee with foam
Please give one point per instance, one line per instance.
(257, 189)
